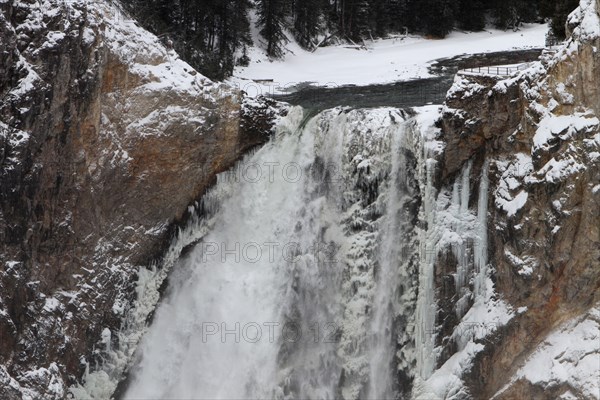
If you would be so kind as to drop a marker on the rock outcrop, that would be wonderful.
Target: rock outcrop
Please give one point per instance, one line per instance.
(540, 134)
(106, 137)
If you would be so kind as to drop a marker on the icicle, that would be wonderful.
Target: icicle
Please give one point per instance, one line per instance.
(481, 240)
(426, 309)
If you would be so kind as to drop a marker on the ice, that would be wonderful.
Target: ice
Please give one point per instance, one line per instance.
(480, 256)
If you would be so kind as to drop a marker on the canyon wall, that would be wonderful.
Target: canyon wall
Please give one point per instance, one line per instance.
(539, 133)
(106, 137)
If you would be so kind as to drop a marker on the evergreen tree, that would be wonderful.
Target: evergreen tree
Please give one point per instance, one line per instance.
(562, 9)
(206, 33)
(505, 14)
(212, 35)
(471, 15)
(352, 18)
(436, 17)
(403, 15)
(546, 8)
(361, 15)
(509, 14)
(307, 21)
(271, 20)
(381, 18)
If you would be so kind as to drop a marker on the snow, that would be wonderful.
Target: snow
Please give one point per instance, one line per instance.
(50, 377)
(587, 19)
(7, 381)
(465, 86)
(51, 304)
(27, 83)
(53, 39)
(557, 170)
(513, 206)
(507, 195)
(563, 127)
(525, 266)
(445, 383)
(563, 94)
(426, 119)
(482, 319)
(569, 355)
(384, 61)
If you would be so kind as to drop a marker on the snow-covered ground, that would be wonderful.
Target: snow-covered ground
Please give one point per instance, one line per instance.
(384, 61)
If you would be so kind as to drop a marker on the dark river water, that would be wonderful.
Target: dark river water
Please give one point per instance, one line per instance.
(413, 93)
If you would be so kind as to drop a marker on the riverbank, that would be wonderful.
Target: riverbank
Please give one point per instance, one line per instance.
(381, 62)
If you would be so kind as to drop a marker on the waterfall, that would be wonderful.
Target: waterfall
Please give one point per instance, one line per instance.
(303, 281)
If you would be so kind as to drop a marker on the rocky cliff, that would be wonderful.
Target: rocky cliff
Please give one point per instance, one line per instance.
(106, 137)
(535, 140)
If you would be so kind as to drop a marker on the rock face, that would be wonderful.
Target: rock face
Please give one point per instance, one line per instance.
(540, 133)
(105, 138)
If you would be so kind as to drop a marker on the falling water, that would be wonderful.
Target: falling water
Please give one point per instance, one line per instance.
(305, 284)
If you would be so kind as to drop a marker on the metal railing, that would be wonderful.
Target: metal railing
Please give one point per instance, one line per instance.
(496, 71)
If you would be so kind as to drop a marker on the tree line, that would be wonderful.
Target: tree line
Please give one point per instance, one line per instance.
(214, 35)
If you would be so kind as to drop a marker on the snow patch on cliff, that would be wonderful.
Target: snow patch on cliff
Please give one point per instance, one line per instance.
(586, 21)
(563, 127)
(568, 356)
(509, 195)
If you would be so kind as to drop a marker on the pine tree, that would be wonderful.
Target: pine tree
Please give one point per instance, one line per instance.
(403, 15)
(241, 25)
(352, 19)
(234, 31)
(562, 9)
(436, 17)
(471, 15)
(307, 21)
(361, 15)
(271, 20)
(505, 14)
(546, 8)
(510, 14)
(212, 35)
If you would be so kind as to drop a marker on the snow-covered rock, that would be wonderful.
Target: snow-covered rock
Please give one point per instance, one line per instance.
(539, 131)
